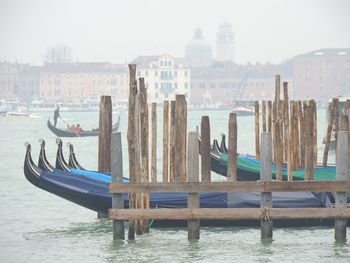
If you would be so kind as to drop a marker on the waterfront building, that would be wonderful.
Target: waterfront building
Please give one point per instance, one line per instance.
(78, 82)
(165, 76)
(322, 74)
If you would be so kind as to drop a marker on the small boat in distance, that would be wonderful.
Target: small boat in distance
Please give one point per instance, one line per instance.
(66, 133)
(243, 111)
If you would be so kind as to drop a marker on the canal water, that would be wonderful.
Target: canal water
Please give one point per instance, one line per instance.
(36, 226)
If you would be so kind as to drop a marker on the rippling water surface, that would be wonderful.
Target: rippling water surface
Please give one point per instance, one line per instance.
(36, 226)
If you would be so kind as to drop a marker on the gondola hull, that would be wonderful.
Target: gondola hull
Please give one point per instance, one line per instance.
(92, 193)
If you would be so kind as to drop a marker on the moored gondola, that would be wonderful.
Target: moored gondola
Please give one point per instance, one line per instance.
(61, 163)
(43, 163)
(72, 162)
(65, 133)
(93, 194)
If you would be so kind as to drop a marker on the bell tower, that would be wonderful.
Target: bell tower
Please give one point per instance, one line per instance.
(225, 43)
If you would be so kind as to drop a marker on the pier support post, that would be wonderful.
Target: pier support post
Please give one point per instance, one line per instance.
(180, 138)
(104, 138)
(165, 141)
(342, 174)
(309, 150)
(172, 142)
(266, 175)
(154, 143)
(205, 149)
(131, 143)
(263, 115)
(257, 132)
(232, 148)
(117, 176)
(193, 176)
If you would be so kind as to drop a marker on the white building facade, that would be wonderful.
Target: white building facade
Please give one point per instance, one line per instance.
(165, 77)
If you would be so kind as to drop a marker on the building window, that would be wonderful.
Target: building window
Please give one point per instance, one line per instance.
(161, 64)
(156, 85)
(186, 85)
(146, 73)
(175, 85)
(186, 73)
(169, 63)
(156, 73)
(139, 73)
(175, 73)
(202, 85)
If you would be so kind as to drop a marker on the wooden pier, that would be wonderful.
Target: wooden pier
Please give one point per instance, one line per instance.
(288, 135)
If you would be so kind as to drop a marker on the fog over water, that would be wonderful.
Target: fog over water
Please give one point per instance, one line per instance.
(118, 31)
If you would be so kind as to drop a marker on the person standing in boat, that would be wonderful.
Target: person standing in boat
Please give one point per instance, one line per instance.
(56, 114)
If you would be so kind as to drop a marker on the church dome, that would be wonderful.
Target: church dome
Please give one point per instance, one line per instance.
(198, 50)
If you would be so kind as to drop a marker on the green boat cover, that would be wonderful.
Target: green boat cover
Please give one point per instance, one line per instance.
(252, 165)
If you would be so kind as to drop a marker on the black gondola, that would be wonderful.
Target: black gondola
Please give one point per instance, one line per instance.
(43, 163)
(72, 162)
(64, 133)
(61, 163)
(93, 194)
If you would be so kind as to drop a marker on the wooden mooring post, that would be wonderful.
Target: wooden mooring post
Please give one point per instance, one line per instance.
(257, 131)
(232, 148)
(154, 143)
(165, 141)
(117, 176)
(131, 143)
(193, 176)
(309, 150)
(180, 138)
(342, 174)
(205, 150)
(266, 175)
(172, 142)
(104, 138)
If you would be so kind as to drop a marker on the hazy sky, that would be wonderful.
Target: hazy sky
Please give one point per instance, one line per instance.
(118, 31)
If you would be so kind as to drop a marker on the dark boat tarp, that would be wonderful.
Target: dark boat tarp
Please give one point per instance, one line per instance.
(93, 194)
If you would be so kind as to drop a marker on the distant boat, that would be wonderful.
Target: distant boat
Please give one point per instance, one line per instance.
(18, 114)
(243, 111)
(65, 133)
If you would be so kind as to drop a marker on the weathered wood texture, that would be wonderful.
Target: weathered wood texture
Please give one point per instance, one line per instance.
(232, 148)
(266, 175)
(257, 130)
(279, 140)
(181, 138)
(342, 174)
(137, 156)
(131, 141)
(309, 151)
(193, 176)
(165, 141)
(314, 133)
(327, 139)
(105, 133)
(239, 186)
(336, 119)
(117, 176)
(269, 116)
(301, 133)
(154, 143)
(229, 213)
(263, 115)
(144, 135)
(285, 121)
(205, 149)
(172, 141)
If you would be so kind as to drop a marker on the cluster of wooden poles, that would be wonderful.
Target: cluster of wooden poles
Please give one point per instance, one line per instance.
(181, 170)
(185, 174)
(293, 125)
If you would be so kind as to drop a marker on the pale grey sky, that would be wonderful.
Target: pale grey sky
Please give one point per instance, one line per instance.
(120, 30)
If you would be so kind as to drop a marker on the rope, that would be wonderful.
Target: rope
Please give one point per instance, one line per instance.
(266, 214)
(150, 224)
